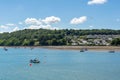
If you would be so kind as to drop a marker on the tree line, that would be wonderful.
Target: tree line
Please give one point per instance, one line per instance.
(46, 37)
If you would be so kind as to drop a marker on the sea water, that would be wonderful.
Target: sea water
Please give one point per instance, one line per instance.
(58, 64)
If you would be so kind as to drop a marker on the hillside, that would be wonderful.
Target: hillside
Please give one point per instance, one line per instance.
(44, 37)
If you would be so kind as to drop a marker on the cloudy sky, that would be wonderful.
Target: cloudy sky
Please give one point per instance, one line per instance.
(59, 14)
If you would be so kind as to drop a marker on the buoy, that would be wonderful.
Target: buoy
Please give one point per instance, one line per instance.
(30, 64)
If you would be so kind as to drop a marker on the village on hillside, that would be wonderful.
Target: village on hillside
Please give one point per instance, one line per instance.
(92, 40)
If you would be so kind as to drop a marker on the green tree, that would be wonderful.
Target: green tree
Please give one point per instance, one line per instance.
(116, 42)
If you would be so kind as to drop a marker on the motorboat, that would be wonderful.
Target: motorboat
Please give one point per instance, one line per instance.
(81, 50)
(5, 49)
(34, 61)
(112, 51)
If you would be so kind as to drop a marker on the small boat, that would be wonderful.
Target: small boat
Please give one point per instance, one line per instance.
(81, 50)
(5, 49)
(112, 51)
(34, 61)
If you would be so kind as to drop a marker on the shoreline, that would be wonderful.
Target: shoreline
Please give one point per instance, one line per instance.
(73, 47)
(116, 48)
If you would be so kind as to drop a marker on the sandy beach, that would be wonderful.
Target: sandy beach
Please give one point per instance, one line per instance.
(73, 47)
(81, 47)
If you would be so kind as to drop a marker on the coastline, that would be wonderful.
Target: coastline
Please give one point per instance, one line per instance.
(73, 47)
(117, 48)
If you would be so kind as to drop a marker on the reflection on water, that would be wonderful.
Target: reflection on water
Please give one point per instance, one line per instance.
(58, 64)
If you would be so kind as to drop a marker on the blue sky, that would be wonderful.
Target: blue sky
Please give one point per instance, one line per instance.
(59, 14)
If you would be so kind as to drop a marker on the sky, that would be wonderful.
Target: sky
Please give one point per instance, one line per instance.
(59, 14)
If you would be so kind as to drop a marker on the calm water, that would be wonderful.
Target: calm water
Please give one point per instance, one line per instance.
(58, 65)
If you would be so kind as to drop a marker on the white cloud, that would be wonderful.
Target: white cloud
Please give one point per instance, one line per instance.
(16, 29)
(47, 20)
(3, 27)
(91, 26)
(96, 2)
(51, 19)
(34, 27)
(41, 26)
(10, 24)
(79, 20)
(32, 21)
(20, 23)
(8, 28)
(46, 26)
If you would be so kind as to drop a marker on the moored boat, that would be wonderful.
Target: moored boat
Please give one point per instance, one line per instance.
(81, 50)
(112, 51)
(34, 61)
(5, 49)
